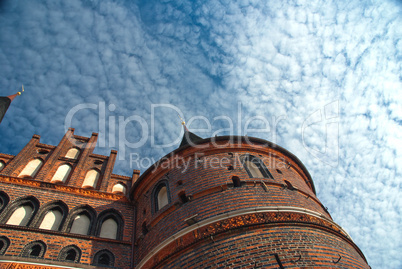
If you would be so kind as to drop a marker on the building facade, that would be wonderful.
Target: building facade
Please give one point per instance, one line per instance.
(222, 202)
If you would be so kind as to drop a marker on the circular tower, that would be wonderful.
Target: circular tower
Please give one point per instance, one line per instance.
(234, 202)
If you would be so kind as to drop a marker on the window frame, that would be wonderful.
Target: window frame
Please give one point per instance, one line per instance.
(64, 252)
(10, 208)
(26, 251)
(258, 162)
(54, 205)
(98, 254)
(155, 192)
(116, 216)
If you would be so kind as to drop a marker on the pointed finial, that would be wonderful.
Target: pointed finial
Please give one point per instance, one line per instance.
(182, 121)
(19, 93)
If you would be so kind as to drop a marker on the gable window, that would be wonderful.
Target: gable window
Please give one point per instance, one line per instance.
(109, 229)
(2, 165)
(81, 224)
(34, 249)
(31, 169)
(119, 188)
(110, 224)
(21, 215)
(61, 174)
(52, 220)
(73, 153)
(91, 179)
(255, 167)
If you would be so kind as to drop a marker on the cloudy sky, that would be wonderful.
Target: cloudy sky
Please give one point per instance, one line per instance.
(320, 78)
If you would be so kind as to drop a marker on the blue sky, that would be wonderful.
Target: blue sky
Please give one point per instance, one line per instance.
(320, 78)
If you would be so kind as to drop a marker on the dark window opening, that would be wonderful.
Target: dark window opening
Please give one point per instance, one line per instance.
(4, 243)
(183, 197)
(71, 255)
(35, 251)
(230, 167)
(144, 228)
(236, 182)
(104, 259)
(279, 171)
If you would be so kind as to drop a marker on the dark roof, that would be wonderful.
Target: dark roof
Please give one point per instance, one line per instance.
(189, 138)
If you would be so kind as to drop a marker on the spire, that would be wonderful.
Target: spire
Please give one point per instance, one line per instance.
(188, 138)
(5, 102)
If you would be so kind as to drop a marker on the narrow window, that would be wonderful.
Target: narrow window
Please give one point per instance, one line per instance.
(144, 228)
(2, 165)
(21, 215)
(236, 182)
(109, 229)
(91, 179)
(279, 171)
(119, 189)
(255, 167)
(3, 200)
(31, 169)
(61, 174)
(73, 153)
(80, 225)
(52, 220)
(162, 197)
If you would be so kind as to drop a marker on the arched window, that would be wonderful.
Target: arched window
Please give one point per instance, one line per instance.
(104, 258)
(70, 254)
(52, 216)
(110, 224)
(34, 249)
(20, 212)
(109, 229)
(81, 224)
(4, 244)
(81, 220)
(73, 153)
(255, 167)
(119, 188)
(161, 196)
(91, 179)
(32, 168)
(52, 220)
(2, 165)
(4, 199)
(21, 215)
(61, 174)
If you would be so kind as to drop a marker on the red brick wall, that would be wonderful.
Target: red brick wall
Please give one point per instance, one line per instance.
(211, 193)
(296, 247)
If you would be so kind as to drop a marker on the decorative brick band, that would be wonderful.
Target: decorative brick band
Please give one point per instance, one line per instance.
(233, 220)
(77, 191)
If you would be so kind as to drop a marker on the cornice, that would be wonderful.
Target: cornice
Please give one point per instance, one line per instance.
(63, 188)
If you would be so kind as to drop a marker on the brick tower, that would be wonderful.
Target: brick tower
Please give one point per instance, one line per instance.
(234, 202)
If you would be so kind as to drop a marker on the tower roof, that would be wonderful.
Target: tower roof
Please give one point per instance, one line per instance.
(189, 138)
